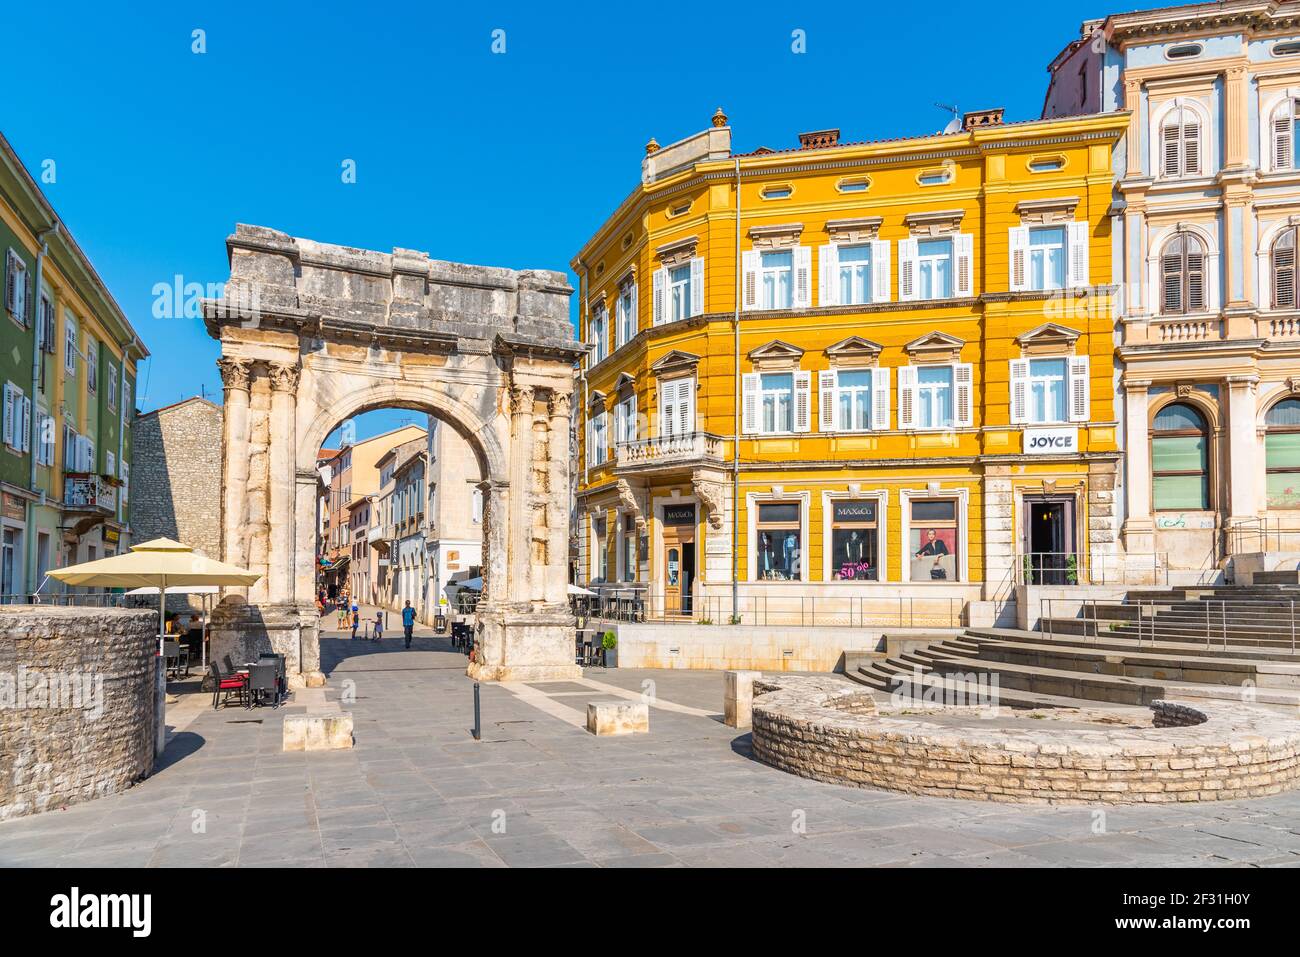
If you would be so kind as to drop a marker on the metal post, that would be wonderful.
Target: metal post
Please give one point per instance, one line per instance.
(1293, 626)
(478, 726)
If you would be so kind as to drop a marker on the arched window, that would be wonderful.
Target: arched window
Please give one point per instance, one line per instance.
(1180, 143)
(1182, 275)
(1284, 134)
(1283, 268)
(1282, 454)
(1180, 474)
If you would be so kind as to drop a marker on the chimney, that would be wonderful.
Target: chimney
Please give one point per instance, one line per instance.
(818, 139)
(981, 118)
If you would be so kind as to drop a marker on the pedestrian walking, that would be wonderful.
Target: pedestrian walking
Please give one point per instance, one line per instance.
(356, 623)
(408, 622)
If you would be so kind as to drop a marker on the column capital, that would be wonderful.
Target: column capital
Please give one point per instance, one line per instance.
(235, 373)
(1136, 385)
(284, 377)
(560, 404)
(521, 399)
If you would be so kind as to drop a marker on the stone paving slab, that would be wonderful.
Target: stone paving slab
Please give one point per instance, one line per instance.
(417, 791)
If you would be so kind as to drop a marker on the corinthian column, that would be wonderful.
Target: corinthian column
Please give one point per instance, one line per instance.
(521, 458)
(235, 376)
(557, 508)
(282, 480)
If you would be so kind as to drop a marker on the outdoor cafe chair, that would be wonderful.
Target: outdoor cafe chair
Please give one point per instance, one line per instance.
(223, 686)
(264, 682)
(177, 657)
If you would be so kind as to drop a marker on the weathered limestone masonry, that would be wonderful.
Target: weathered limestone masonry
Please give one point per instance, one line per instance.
(77, 704)
(828, 729)
(176, 480)
(312, 334)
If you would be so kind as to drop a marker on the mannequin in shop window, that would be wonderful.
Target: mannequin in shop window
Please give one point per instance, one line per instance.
(766, 556)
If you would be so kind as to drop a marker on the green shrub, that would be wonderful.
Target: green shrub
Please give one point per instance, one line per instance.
(609, 641)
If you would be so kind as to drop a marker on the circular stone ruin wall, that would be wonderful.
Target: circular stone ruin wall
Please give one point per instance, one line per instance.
(827, 729)
(77, 711)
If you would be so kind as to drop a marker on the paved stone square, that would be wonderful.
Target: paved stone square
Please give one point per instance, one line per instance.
(538, 790)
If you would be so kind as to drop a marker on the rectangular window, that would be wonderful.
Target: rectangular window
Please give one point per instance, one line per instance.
(628, 546)
(598, 447)
(775, 280)
(776, 402)
(932, 540)
(625, 420)
(1047, 391)
(855, 274)
(679, 293)
(853, 395)
(599, 334)
(934, 268)
(934, 397)
(70, 346)
(16, 283)
(677, 406)
(92, 365)
(1179, 480)
(626, 314)
(600, 547)
(779, 548)
(854, 540)
(1047, 252)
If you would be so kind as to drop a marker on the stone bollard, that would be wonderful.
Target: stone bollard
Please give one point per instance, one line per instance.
(618, 717)
(318, 732)
(738, 698)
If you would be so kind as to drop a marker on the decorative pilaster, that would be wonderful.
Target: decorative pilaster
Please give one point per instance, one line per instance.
(282, 481)
(236, 375)
(557, 504)
(1244, 447)
(521, 430)
(1138, 530)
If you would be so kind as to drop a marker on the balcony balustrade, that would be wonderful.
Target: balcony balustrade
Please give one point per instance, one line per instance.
(669, 450)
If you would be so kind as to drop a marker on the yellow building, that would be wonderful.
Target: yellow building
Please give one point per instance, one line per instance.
(852, 383)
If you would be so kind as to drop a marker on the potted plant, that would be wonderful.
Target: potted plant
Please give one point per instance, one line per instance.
(609, 643)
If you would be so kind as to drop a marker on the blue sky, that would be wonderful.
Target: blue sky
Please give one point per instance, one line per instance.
(506, 159)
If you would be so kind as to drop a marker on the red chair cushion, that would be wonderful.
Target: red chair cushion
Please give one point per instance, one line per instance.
(231, 683)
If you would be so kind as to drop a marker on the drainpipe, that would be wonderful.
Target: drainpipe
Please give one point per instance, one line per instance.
(33, 438)
(126, 347)
(735, 429)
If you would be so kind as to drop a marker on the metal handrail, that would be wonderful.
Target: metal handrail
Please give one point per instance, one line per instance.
(1221, 621)
(1088, 568)
(848, 611)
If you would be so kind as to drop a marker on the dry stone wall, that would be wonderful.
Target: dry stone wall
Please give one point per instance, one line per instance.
(77, 705)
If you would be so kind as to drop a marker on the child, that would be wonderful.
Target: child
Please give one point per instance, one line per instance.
(356, 623)
(379, 625)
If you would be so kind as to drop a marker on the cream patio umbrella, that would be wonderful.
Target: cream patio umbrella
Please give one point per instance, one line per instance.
(160, 563)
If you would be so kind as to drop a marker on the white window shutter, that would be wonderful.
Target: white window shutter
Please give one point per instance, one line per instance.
(28, 312)
(1191, 148)
(659, 293)
(1019, 278)
(880, 277)
(636, 316)
(749, 264)
(963, 380)
(1019, 391)
(11, 280)
(9, 415)
(880, 399)
(749, 410)
(1169, 135)
(25, 423)
(633, 433)
(1077, 263)
(619, 412)
(697, 286)
(802, 297)
(827, 406)
(802, 401)
(906, 396)
(907, 251)
(1282, 146)
(828, 268)
(964, 246)
(590, 455)
(686, 405)
(1080, 388)
(667, 402)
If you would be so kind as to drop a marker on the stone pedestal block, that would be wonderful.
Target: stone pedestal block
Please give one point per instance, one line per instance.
(618, 717)
(515, 644)
(318, 732)
(738, 698)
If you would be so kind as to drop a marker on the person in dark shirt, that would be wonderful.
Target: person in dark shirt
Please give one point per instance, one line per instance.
(933, 545)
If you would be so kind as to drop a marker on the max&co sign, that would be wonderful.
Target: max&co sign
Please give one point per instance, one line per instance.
(1054, 441)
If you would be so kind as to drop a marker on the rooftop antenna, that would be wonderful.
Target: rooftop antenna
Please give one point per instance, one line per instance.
(954, 125)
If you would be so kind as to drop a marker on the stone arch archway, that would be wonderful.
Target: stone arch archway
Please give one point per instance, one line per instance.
(312, 334)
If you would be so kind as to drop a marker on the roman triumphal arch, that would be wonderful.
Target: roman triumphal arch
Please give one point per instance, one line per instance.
(312, 334)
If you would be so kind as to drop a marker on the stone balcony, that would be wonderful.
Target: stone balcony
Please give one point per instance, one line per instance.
(670, 451)
(1208, 328)
(84, 491)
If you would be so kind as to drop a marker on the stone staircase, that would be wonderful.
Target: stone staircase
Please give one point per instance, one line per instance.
(1154, 645)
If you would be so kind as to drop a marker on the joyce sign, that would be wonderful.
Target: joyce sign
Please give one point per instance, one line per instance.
(1051, 441)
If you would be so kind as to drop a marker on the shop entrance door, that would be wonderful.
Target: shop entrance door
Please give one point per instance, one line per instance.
(1049, 533)
(679, 559)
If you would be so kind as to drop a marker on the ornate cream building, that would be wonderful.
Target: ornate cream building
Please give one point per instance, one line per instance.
(1206, 212)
